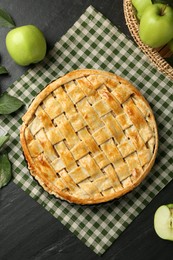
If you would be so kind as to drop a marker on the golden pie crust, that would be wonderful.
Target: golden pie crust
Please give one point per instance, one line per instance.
(89, 137)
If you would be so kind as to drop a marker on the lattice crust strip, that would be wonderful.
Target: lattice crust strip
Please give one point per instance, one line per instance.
(89, 137)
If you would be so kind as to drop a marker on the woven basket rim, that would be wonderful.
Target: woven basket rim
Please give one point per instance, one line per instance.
(153, 54)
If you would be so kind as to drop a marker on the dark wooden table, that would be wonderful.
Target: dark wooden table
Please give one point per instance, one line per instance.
(28, 231)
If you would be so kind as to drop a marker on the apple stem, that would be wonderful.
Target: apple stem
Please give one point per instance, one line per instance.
(162, 11)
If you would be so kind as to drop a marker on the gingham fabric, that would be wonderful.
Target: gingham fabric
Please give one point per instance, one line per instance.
(93, 42)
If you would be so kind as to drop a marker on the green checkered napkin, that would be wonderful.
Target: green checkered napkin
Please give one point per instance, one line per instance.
(93, 42)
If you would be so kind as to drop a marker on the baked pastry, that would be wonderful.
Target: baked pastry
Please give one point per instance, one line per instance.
(89, 137)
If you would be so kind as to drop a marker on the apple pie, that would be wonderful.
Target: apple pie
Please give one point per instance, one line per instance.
(89, 137)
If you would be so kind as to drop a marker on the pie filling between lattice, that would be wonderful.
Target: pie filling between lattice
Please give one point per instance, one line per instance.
(89, 137)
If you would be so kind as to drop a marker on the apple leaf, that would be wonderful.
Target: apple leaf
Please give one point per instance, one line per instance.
(3, 139)
(5, 170)
(6, 20)
(3, 70)
(166, 2)
(9, 104)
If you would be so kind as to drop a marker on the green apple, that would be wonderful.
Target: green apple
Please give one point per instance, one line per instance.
(163, 222)
(26, 45)
(140, 6)
(156, 25)
(170, 45)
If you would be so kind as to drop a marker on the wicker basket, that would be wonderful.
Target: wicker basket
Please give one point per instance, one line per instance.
(156, 55)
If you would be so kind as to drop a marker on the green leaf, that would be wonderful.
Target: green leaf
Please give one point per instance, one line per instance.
(3, 140)
(5, 170)
(9, 104)
(6, 20)
(3, 70)
(166, 2)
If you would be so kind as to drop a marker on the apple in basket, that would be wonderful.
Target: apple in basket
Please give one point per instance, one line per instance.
(163, 222)
(170, 44)
(140, 6)
(156, 25)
